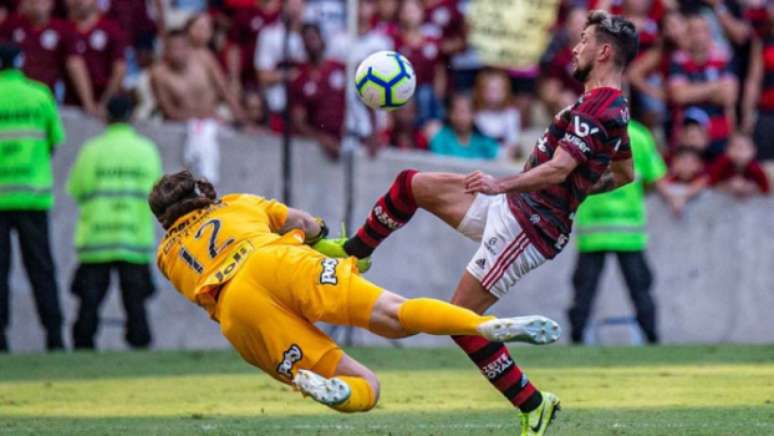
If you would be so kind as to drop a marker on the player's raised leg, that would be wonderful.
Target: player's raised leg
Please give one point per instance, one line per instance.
(442, 194)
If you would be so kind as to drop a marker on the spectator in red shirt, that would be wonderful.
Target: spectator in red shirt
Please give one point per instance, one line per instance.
(246, 23)
(449, 24)
(386, 19)
(686, 177)
(758, 107)
(648, 72)
(424, 53)
(102, 44)
(736, 171)
(47, 42)
(402, 131)
(701, 77)
(557, 87)
(319, 94)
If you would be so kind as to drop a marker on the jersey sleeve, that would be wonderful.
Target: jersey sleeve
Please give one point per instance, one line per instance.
(276, 212)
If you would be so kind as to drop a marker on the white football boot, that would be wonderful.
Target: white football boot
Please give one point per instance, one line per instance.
(328, 391)
(536, 329)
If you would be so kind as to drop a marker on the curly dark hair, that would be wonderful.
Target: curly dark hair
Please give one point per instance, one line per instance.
(175, 195)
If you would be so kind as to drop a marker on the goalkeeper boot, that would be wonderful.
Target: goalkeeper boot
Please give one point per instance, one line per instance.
(536, 422)
(328, 391)
(536, 329)
(335, 248)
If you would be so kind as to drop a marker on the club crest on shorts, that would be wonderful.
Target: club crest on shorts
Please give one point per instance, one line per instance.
(289, 358)
(328, 274)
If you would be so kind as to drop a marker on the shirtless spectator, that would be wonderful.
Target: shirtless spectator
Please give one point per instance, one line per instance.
(188, 87)
(319, 94)
(700, 76)
(47, 43)
(269, 61)
(102, 44)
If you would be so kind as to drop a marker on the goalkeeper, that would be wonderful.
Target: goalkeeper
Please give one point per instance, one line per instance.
(247, 261)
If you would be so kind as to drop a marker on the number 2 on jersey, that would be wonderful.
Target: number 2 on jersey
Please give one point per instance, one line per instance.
(213, 247)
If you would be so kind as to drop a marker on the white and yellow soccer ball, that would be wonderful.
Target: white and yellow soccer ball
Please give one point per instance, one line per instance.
(385, 80)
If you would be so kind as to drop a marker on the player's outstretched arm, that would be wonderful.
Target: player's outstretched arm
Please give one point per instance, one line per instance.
(618, 174)
(314, 228)
(550, 173)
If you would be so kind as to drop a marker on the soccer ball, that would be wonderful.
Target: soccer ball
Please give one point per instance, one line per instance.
(385, 80)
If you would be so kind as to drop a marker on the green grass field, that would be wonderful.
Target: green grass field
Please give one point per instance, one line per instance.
(718, 390)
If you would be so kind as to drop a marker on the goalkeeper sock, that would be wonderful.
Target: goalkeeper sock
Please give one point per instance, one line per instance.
(436, 317)
(496, 364)
(362, 397)
(391, 212)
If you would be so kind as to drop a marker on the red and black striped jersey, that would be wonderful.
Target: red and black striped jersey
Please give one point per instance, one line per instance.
(766, 102)
(593, 131)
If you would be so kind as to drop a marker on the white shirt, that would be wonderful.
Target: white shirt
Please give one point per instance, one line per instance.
(503, 125)
(268, 56)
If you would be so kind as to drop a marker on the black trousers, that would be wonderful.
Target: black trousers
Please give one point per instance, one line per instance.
(90, 284)
(638, 279)
(32, 230)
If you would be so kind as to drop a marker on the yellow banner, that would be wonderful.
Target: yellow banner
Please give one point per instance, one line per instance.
(511, 33)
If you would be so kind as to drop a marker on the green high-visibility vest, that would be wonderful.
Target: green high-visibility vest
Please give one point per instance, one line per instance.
(30, 128)
(110, 180)
(616, 221)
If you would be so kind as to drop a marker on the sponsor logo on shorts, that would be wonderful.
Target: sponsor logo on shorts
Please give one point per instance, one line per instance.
(481, 263)
(499, 366)
(491, 244)
(289, 358)
(328, 274)
(232, 263)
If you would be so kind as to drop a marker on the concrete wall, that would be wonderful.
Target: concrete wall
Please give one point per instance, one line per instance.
(714, 275)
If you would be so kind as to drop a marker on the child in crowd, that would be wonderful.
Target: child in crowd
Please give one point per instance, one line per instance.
(495, 116)
(458, 136)
(736, 171)
(687, 177)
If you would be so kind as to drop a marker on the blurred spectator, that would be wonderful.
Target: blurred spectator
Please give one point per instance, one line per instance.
(178, 12)
(47, 42)
(495, 116)
(448, 24)
(5, 10)
(188, 86)
(30, 129)
(402, 131)
(758, 107)
(424, 53)
(687, 177)
(134, 18)
(329, 15)
(319, 94)
(386, 19)
(616, 222)
(102, 45)
(640, 13)
(270, 61)
(701, 77)
(648, 72)
(247, 22)
(458, 136)
(694, 131)
(110, 181)
(557, 88)
(736, 171)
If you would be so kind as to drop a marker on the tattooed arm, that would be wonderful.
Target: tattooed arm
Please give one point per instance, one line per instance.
(618, 174)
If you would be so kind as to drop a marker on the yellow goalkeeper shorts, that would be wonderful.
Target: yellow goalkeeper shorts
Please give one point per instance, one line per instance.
(268, 310)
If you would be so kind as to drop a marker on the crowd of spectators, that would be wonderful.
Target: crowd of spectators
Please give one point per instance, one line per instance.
(703, 81)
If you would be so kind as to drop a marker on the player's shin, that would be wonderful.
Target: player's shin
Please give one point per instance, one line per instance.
(391, 212)
(496, 364)
(435, 317)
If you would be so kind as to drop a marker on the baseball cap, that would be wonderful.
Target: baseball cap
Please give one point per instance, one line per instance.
(696, 115)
